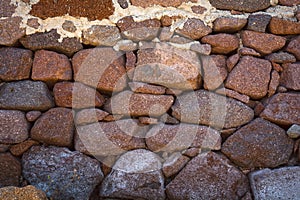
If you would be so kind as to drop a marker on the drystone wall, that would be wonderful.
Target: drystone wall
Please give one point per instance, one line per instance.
(157, 99)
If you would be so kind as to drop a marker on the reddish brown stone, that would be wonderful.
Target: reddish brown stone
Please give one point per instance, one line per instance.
(16, 193)
(134, 104)
(101, 35)
(248, 52)
(281, 57)
(251, 77)
(148, 120)
(171, 138)
(258, 22)
(166, 34)
(198, 9)
(15, 63)
(110, 138)
(136, 31)
(262, 42)
(274, 83)
(168, 20)
(102, 68)
(33, 22)
(50, 41)
(174, 164)
(258, 109)
(55, 127)
(14, 127)
(76, 95)
(145, 88)
(10, 170)
(222, 43)
(277, 67)
(51, 67)
(241, 5)
(209, 176)
(283, 109)
(7, 9)
(164, 3)
(236, 95)
(232, 61)
(229, 24)
(92, 9)
(294, 47)
(261, 144)
(31, 116)
(10, 31)
(112, 118)
(290, 76)
(204, 49)
(192, 152)
(69, 26)
(194, 29)
(89, 116)
(284, 27)
(289, 2)
(19, 149)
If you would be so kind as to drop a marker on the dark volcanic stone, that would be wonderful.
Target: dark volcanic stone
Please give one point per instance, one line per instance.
(258, 22)
(26, 96)
(194, 29)
(229, 24)
(15, 64)
(10, 32)
(208, 176)
(16, 193)
(49, 41)
(258, 144)
(290, 76)
(283, 109)
(14, 127)
(92, 9)
(62, 174)
(241, 5)
(55, 127)
(10, 170)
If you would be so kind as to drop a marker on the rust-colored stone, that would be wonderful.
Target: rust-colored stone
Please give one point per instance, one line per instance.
(232, 61)
(10, 31)
(31, 116)
(198, 9)
(174, 164)
(290, 77)
(194, 29)
(164, 3)
(16, 193)
(145, 88)
(89, 116)
(274, 83)
(168, 20)
(229, 24)
(284, 27)
(294, 47)
(222, 43)
(19, 149)
(244, 51)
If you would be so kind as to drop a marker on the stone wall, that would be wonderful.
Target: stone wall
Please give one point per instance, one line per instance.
(132, 99)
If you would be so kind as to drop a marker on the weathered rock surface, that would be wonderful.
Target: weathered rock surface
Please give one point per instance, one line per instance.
(174, 164)
(289, 2)
(10, 31)
(31, 116)
(10, 170)
(242, 5)
(19, 149)
(229, 24)
(144, 88)
(170, 138)
(294, 131)
(262, 42)
(258, 22)
(274, 83)
(55, 127)
(14, 127)
(110, 138)
(260, 144)
(51, 67)
(25, 95)
(290, 76)
(164, 3)
(136, 175)
(15, 63)
(251, 77)
(62, 174)
(16, 193)
(284, 27)
(89, 116)
(6, 8)
(283, 109)
(102, 68)
(281, 57)
(222, 43)
(101, 35)
(135, 104)
(294, 47)
(282, 183)
(207, 108)
(194, 28)
(50, 41)
(208, 176)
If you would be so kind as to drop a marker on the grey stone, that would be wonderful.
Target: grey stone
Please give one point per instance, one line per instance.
(101, 35)
(294, 131)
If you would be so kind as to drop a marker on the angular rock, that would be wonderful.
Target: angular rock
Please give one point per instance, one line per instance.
(232, 61)
(282, 183)
(130, 64)
(136, 175)
(283, 109)
(204, 49)
(89, 116)
(251, 77)
(236, 95)
(14, 127)
(262, 42)
(31, 116)
(102, 68)
(136, 31)
(101, 35)
(207, 108)
(284, 27)
(194, 28)
(294, 131)
(164, 3)
(76, 95)
(208, 176)
(174, 164)
(15, 64)
(260, 144)
(62, 174)
(55, 127)
(222, 43)
(10, 30)
(19, 149)
(168, 66)
(126, 45)
(50, 41)
(294, 47)
(4, 148)
(110, 138)
(290, 76)
(25, 95)
(135, 104)
(244, 51)
(10, 170)
(289, 2)
(171, 138)
(228, 24)
(258, 22)
(16, 193)
(167, 21)
(51, 67)
(242, 5)
(144, 88)
(198, 9)
(274, 83)
(6, 8)
(281, 57)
